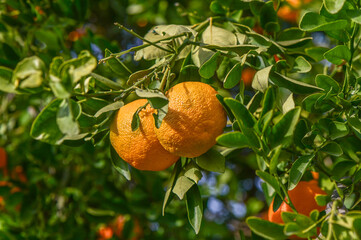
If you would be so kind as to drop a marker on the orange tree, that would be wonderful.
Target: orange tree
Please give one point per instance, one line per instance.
(301, 114)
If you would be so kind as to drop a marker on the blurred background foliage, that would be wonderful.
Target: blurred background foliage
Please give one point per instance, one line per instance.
(72, 192)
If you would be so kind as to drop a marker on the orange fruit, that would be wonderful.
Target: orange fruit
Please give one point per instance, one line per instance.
(18, 174)
(247, 76)
(195, 118)
(291, 12)
(140, 148)
(118, 227)
(303, 198)
(105, 232)
(3, 158)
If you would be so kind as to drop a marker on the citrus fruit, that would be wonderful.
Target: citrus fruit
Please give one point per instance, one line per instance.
(105, 232)
(118, 227)
(139, 148)
(291, 11)
(302, 197)
(247, 76)
(195, 118)
(315, 175)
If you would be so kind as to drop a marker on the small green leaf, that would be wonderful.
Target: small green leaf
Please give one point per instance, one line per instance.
(193, 172)
(135, 121)
(217, 8)
(316, 53)
(212, 160)
(170, 185)
(326, 82)
(355, 15)
(119, 164)
(338, 55)
(233, 140)
(283, 130)
(208, 69)
(44, 127)
(29, 74)
(333, 6)
(182, 185)
(105, 81)
(155, 98)
(116, 65)
(233, 77)
(341, 168)
(338, 130)
(111, 107)
(194, 208)
(266, 229)
(293, 85)
(100, 212)
(268, 178)
(6, 85)
(260, 79)
(322, 200)
(274, 160)
(241, 113)
(301, 65)
(313, 22)
(332, 148)
(298, 169)
(68, 112)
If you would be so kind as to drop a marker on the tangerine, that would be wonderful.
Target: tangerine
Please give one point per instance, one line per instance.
(195, 118)
(139, 148)
(247, 76)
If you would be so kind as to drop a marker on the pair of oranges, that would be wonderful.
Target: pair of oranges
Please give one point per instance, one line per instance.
(116, 228)
(194, 119)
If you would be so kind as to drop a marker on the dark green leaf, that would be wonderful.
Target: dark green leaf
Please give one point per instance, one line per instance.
(135, 121)
(212, 160)
(313, 22)
(283, 130)
(119, 164)
(208, 68)
(6, 85)
(338, 55)
(266, 229)
(194, 208)
(241, 113)
(233, 77)
(333, 6)
(332, 148)
(233, 140)
(155, 98)
(316, 53)
(268, 178)
(298, 169)
(293, 85)
(338, 130)
(326, 82)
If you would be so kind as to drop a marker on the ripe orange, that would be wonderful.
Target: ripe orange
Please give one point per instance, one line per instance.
(247, 76)
(194, 119)
(315, 175)
(105, 232)
(140, 148)
(303, 198)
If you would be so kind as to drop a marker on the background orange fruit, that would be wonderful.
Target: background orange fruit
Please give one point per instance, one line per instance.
(247, 76)
(195, 118)
(302, 197)
(3, 158)
(140, 148)
(105, 232)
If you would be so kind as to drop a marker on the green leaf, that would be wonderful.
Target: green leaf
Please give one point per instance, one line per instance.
(268, 178)
(193, 172)
(333, 6)
(283, 130)
(171, 182)
(313, 22)
(119, 164)
(322, 200)
(338, 55)
(194, 208)
(298, 169)
(233, 140)
(341, 168)
(316, 53)
(338, 130)
(233, 77)
(208, 68)
(241, 113)
(355, 15)
(29, 74)
(238, 49)
(111, 107)
(182, 185)
(212, 160)
(135, 121)
(105, 81)
(326, 82)
(6, 85)
(100, 212)
(293, 85)
(274, 160)
(44, 127)
(266, 229)
(260, 79)
(301, 65)
(139, 75)
(217, 8)
(332, 148)
(269, 101)
(68, 112)
(268, 15)
(357, 227)
(116, 65)
(295, 43)
(155, 98)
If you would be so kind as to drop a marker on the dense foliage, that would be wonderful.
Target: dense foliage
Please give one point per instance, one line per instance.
(66, 68)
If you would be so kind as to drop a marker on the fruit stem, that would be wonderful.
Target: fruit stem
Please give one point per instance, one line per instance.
(164, 79)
